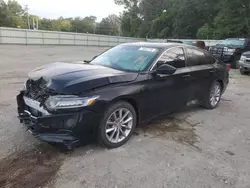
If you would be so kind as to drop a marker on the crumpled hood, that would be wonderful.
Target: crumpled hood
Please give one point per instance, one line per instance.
(70, 78)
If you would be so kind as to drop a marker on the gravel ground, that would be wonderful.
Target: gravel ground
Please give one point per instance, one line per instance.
(194, 148)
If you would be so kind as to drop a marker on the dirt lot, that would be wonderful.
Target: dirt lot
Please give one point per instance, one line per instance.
(195, 148)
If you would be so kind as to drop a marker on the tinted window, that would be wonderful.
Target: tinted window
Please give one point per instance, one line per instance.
(174, 57)
(197, 57)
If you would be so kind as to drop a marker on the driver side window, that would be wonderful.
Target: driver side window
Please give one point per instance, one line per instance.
(174, 57)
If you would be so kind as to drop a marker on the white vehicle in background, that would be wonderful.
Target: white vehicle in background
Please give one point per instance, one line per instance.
(244, 63)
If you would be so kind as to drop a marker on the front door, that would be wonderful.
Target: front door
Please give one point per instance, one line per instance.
(167, 93)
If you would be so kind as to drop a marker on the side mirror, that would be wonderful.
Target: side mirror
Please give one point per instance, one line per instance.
(165, 69)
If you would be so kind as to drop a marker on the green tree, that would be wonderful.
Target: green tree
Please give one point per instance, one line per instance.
(189, 18)
(83, 25)
(205, 19)
(11, 14)
(64, 24)
(3, 13)
(109, 26)
(131, 18)
(49, 24)
(163, 25)
(205, 32)
(233, 20)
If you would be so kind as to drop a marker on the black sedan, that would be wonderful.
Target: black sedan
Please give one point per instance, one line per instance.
(119, 89)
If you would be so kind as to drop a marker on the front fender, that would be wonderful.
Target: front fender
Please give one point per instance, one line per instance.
(109, 95)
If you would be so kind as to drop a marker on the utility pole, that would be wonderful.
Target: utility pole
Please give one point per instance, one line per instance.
(35, 23)
(28, 18)
(94, 28)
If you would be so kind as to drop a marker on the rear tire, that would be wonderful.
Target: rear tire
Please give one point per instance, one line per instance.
(117, 124)
(213, 96)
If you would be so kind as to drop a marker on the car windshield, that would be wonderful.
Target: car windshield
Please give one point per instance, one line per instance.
(127, 57)
(233, 42)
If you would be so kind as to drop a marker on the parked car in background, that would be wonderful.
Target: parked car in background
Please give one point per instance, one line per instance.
(244, 63)
(230, 50)
(121, 88)
(191, 42)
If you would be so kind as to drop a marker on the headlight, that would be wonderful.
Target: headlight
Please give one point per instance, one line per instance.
(243, 58)
(68, 101)
(231, 50)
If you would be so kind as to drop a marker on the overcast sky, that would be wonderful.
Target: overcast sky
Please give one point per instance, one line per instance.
(72, 8)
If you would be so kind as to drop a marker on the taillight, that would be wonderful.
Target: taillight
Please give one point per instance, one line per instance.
(228, 67)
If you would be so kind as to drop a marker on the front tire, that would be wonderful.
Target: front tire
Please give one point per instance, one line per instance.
(234, 61)
(243, 72)
(117, 124)
(212, 98)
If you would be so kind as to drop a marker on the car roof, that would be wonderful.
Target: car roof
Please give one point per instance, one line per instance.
(157, 44)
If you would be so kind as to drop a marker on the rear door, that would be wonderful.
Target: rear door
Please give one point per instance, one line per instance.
(202, 72)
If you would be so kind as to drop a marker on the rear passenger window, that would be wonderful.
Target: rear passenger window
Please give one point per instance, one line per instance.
(174, 57)
(197, 57)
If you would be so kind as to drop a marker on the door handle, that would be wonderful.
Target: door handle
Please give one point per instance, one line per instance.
(212, 71)
(186, 76)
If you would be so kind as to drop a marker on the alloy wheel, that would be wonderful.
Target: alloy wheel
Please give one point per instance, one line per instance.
(119, 125)
(215, 94)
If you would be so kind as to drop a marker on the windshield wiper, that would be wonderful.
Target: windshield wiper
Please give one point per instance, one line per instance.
(87, 61)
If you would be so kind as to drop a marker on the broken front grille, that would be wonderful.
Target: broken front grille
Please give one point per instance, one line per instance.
(36, 90)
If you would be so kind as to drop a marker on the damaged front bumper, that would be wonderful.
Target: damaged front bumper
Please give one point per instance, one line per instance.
(65, 128)
(42, 128)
